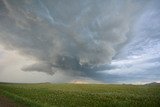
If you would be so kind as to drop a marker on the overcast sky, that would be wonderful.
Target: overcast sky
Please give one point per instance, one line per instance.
(95, 41)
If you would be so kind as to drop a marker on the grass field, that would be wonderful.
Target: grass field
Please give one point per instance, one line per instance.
(82, 95)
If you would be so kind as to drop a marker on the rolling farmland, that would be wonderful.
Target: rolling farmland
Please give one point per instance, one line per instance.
(78, 95)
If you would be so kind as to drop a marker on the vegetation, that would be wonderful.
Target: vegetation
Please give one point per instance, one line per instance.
(82, 95)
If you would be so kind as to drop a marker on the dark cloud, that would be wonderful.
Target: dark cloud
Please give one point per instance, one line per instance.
(73, 36)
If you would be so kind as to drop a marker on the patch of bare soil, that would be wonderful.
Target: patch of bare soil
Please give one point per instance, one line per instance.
(5, 102)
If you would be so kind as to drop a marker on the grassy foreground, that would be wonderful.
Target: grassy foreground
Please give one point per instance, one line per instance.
(82, 95)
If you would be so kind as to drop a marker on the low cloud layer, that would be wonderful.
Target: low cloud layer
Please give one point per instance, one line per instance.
(76, 37)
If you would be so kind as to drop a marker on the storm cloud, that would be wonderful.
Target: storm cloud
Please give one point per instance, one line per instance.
(73, 36)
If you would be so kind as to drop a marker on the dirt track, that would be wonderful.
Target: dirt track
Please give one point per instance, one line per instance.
(5, 102)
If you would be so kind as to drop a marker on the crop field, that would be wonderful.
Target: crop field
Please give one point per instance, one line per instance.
(82, 95)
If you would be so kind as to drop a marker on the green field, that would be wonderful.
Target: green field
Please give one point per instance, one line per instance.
(82, 95)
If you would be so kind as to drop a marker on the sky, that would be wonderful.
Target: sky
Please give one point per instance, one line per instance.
(91, 41)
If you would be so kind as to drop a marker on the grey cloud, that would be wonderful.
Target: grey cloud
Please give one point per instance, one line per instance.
(81, 36)
(41, 67)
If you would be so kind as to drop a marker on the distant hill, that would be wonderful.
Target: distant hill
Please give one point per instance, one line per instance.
(153, 83)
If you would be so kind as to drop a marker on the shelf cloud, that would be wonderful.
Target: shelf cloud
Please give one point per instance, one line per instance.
(76, 36)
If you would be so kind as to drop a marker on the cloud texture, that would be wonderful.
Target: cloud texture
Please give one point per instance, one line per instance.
(75, 36)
